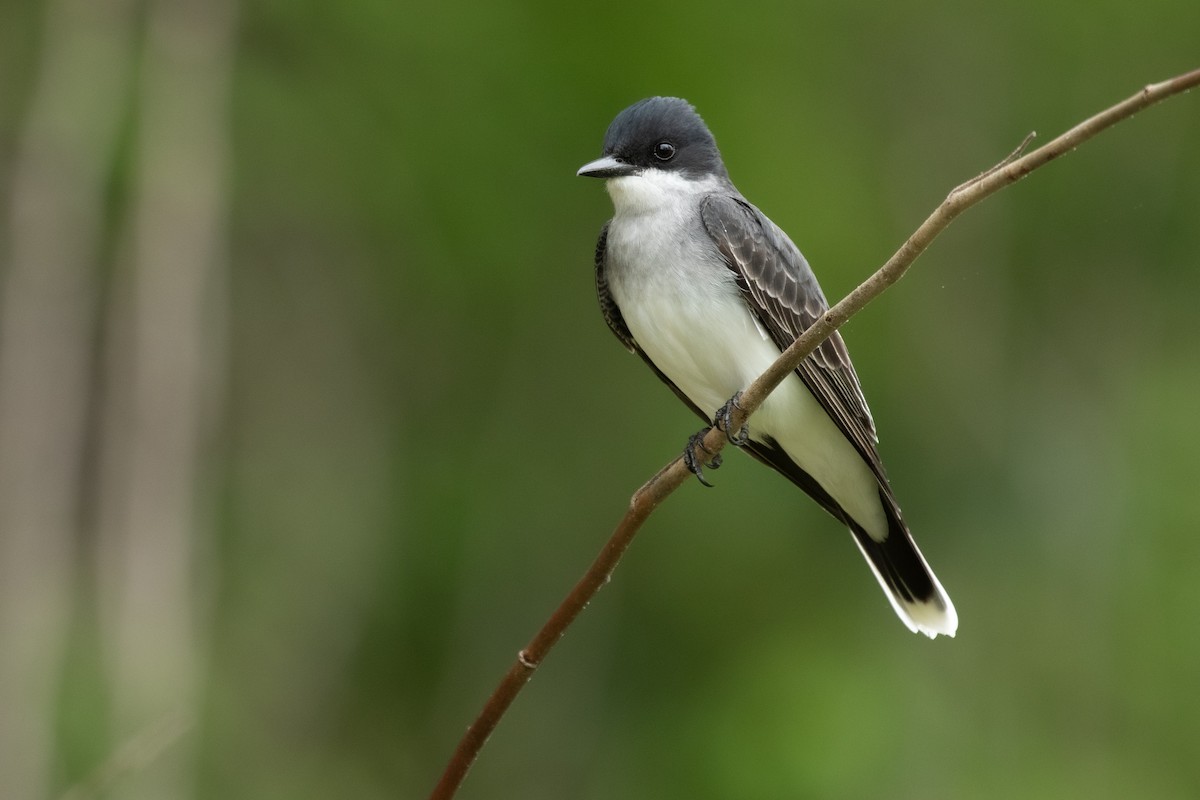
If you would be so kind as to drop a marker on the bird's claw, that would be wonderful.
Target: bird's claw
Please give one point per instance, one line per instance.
(724, 422)
(696, 465)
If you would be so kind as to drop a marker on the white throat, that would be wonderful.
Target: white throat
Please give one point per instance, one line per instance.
(652, 190)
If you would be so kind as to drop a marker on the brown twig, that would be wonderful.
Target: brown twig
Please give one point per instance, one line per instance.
(673, 475)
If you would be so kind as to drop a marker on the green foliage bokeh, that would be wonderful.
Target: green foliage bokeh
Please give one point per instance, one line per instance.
(429, 431)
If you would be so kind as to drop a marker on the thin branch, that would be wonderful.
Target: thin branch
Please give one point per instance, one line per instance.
(1008, 159)
(675, 474)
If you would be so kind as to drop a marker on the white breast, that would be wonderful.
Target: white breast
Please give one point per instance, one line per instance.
(683, 307)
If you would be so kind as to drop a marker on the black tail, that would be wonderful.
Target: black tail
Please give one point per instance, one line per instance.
(914, 591)
(910, 585)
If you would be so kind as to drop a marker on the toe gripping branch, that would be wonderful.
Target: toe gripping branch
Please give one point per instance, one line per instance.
(723, 421)
(696, 465)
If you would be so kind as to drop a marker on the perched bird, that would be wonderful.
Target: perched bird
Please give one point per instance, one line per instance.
(708, 291)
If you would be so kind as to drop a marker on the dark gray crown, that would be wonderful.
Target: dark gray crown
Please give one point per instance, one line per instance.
(638, 130)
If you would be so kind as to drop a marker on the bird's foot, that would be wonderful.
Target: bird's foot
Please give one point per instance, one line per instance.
(696, 465)
(724, 421)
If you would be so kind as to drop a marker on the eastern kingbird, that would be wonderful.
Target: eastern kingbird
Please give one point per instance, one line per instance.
(708, 291)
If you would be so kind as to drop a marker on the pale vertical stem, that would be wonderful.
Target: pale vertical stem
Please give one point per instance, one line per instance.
(167, 372)
(55, 220)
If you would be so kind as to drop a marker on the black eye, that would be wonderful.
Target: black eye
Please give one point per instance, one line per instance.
(664, 151)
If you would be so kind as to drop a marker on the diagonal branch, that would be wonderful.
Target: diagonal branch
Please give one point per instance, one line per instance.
(675, 474)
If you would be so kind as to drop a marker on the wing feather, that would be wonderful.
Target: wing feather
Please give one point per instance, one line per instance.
(782, 292)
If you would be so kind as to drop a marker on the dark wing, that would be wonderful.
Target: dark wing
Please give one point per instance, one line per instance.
(783, 294)
(608, 306)
(616, 322)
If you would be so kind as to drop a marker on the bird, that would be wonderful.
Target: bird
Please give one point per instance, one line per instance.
(708, 291)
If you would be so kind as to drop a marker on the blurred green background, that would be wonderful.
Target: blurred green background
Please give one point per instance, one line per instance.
(308, 418)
